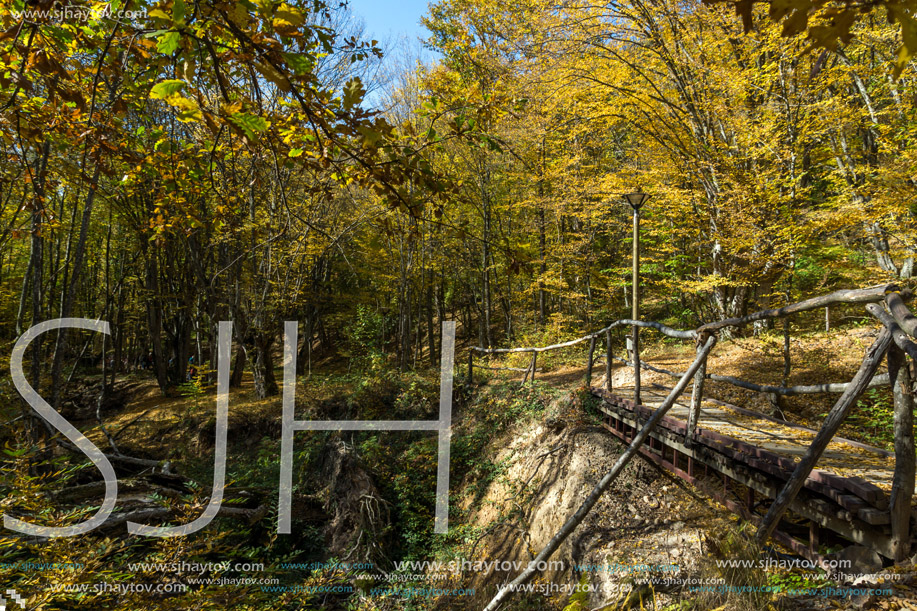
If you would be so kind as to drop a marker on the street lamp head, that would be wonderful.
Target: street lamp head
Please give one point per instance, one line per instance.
(636, 199)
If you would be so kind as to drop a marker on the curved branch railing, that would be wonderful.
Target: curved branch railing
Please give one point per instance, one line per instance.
(869, 295)
(665, 330)
(873, 294)
(881, 379)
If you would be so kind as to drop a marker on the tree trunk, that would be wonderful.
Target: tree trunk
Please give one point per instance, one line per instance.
(70, 290)
(238, 367)
(542, 268)
(154, 321)
(485, 264)
(263, 368)
(880, 245)
(431, 332)
(304, 358)
(36, 262)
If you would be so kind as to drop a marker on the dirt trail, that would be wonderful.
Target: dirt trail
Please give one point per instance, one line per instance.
(816, 358)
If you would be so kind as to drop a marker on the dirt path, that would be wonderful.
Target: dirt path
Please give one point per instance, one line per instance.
(816, 358)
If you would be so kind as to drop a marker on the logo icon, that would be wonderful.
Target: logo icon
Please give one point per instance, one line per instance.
(16, 599)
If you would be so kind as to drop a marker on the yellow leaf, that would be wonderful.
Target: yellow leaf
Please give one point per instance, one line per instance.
(288, 16)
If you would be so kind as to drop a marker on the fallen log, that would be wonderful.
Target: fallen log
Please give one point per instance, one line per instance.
(148, 514)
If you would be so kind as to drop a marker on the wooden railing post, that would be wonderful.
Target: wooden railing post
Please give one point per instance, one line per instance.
(530, 369)
(903, 479)
(589, 361)
(608, 383)
(813, 536)
(899, 376)
(697, 398)
(636, 357)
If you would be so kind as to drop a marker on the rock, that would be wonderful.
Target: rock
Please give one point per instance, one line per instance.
(862, 601)
(678, 525)
(363, 584)
(862, 560)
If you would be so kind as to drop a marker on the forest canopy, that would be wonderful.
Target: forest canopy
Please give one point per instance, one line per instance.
(828, 23)
(201, 161)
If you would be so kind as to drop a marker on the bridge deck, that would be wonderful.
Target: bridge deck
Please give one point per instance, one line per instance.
(847, 492)
(842, 457)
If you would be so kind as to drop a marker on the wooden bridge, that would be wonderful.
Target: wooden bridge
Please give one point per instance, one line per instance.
(803, 488)
(743, 460)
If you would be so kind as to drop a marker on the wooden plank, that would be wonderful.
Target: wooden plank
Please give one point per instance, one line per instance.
(846, 526)
(857, 485)
(860, 487)
(828, 484)
(749, 413)
(813, 532)
(873, 516)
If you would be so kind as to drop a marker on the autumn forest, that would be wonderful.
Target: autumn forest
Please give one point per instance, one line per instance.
(170, 164)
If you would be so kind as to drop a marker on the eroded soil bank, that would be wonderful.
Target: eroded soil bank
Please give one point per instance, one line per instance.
(650, 537)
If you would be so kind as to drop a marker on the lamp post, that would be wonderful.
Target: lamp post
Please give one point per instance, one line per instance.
(636, 201)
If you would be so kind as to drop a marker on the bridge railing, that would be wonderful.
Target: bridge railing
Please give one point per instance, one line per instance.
(899, 326)
(867, 295)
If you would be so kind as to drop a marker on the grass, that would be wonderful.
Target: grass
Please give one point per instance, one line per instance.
(874, 418)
